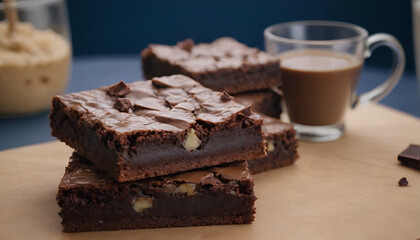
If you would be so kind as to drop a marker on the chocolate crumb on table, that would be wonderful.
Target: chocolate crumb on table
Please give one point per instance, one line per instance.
(92, 201)
(403, 182)
(223, 65)
(410, 157)
(171, 124)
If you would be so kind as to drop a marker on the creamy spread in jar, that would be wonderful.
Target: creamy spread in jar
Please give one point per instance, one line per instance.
(34, 65)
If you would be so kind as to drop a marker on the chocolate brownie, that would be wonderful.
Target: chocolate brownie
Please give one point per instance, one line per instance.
(281, 146)
(92, 201)
(266, 102)
(156, 127)
(223, 65)
(410, 156)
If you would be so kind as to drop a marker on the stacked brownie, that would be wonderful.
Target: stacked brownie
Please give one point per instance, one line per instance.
(223, 65)
(249, 74)
(165, 152)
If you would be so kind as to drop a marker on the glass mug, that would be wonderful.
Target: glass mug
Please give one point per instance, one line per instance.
(321, 62)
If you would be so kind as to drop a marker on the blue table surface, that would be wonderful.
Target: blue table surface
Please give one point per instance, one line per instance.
(90, 72)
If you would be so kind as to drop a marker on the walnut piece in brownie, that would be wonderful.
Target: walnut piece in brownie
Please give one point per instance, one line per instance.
(223, 65)
(172, 124)
(92, 201)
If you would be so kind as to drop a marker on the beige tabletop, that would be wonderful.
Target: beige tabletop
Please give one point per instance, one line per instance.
(345, 189)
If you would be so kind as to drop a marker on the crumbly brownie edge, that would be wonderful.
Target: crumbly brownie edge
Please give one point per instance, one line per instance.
(233, 81)
(284, 154)
(152, 66)
(66, 127)
(164, 222)
(247, 78)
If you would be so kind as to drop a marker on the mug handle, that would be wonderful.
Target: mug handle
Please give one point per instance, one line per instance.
(397, 69)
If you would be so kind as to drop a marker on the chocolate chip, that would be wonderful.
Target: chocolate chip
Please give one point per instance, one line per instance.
(247, 111)
(123, 104)
(118, 90)
(403, 182)
(225, 97)
(187, 44)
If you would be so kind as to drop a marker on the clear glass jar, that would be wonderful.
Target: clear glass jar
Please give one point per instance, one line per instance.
(35, 56)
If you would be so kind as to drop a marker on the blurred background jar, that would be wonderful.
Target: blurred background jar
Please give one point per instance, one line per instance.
(35, 54)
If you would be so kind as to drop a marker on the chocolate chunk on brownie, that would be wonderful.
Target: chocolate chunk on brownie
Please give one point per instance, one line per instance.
(92, 201)
(123, 104)
(266, 102)
(281, 146)
(410, 156)
(173, 124)
(118, 90)
(223, 65)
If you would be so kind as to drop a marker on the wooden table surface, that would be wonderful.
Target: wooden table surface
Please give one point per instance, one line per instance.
(345, 189)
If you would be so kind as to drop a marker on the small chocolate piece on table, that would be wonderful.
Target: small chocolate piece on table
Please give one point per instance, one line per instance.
(281, 146)
(92, 201)
(223, 65)
(266, 102)
(410, 156)
(174, 125)
(403, 182)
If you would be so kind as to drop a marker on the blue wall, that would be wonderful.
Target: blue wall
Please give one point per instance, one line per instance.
(127, 26)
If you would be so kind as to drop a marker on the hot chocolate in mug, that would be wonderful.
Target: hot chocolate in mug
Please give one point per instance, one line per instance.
(321, 63)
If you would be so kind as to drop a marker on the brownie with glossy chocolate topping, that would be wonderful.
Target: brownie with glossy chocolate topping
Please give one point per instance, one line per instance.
(281, 146)
(223, 65)
(156, 127)
(92, 201)
(266, 102)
